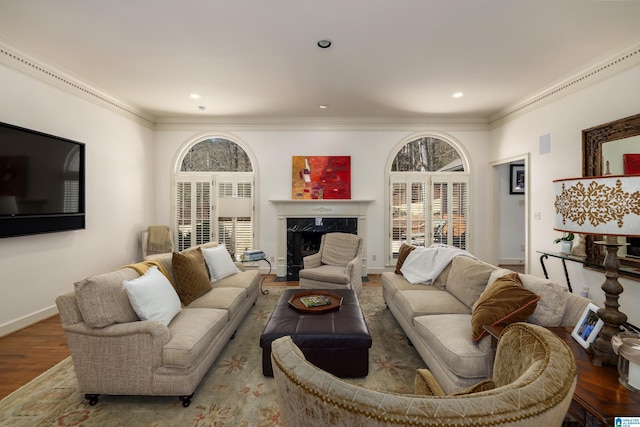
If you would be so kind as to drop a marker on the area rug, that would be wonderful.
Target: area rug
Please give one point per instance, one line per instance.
(233, 393)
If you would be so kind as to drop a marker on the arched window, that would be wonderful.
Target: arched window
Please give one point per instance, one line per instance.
(214, 196)
(428, 194)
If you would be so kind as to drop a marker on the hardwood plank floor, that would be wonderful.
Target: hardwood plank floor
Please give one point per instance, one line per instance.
(29, 352)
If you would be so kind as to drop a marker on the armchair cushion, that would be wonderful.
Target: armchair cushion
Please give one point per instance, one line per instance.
(103, 301)
(191, 276)
(152, 296)
(340, 248)
(327, 273)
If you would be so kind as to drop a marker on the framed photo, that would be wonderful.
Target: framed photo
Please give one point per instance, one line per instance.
(588, 327)
(516, 179)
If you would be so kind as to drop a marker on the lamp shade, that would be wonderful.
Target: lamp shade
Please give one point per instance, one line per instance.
(607, 205)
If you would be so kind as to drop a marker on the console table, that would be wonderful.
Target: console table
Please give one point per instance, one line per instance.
(598, 397)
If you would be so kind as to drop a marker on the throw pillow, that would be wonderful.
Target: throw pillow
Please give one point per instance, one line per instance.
(403, 252)
(467, 279)
(505, 301)
(152, 296)
(219, 262)
(190, 273)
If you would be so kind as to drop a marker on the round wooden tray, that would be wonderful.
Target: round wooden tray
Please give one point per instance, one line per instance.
(336, 302)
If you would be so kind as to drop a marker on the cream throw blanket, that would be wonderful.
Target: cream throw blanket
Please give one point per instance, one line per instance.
(424, 265)
(159, 240)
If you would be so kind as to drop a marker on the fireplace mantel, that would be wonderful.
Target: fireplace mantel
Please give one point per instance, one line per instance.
(324, 208)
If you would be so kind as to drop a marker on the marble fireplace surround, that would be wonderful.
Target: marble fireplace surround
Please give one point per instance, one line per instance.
(317, 209)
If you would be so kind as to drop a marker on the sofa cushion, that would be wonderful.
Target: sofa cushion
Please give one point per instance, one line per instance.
(230, 299)
(190, 273)
(403, 252)
(247, 280)
(468, 278)
(505, 301)
(193, 331)
(553, 300)
(448, 336)
(327, 273)
(152, 296)
(219, 262)
(429, 300)
(103, 301)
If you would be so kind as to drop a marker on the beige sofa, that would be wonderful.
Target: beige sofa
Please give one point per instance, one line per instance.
(115, 353)
(533, 383)
(437, 317)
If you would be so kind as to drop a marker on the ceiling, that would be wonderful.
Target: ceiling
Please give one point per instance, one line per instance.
(259, 58)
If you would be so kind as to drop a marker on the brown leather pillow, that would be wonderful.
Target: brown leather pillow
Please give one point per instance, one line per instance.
(190, 272)
(403, 252)
(503, 302)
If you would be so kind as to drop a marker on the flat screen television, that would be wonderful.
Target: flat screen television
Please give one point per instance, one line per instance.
(42, 182)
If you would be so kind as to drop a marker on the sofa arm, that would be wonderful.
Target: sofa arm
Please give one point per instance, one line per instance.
(312, 261)
(117, 359)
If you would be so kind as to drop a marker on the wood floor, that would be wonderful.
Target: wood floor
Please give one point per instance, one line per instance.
(29, 352)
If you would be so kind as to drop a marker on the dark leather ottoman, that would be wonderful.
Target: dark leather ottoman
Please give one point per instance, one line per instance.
(337, 341)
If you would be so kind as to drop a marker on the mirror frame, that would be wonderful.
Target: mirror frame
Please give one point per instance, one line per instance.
(592, 141)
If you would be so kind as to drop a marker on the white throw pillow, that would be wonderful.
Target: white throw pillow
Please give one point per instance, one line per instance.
(219, 262)
(152, 296)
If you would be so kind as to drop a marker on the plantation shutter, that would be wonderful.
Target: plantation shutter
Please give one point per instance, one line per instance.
(427, 209)
(193, 211)
(234, 211)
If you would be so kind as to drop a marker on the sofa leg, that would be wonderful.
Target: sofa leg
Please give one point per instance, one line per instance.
(186, 400)
(92, 398)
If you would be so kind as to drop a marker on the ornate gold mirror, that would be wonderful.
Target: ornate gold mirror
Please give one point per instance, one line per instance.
(595, 142)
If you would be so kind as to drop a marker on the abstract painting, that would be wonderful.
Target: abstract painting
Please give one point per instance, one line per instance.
(321, 177)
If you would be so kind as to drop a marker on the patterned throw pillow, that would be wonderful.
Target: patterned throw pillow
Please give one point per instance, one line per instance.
(190, 273)
(503, 302)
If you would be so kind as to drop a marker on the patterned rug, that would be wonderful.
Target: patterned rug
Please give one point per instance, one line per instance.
(233, 393)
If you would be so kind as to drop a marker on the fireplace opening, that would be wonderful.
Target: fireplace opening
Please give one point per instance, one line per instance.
(304, 235)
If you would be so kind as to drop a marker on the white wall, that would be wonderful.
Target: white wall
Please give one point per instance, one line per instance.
(34, 270)
(369, 151)
(564, 120)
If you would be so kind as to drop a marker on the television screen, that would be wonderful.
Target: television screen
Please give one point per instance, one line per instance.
(41, 182)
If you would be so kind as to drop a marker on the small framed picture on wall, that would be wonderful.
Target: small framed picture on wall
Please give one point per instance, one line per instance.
(516, 179)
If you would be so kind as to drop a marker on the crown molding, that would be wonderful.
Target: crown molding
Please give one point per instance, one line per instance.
(17, 59)
(623, 58)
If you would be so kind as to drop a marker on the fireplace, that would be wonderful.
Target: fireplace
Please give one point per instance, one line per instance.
(311, 219)
(304, 235)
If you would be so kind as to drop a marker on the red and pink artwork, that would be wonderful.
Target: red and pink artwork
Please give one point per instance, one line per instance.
(631, 164)
(321, 177)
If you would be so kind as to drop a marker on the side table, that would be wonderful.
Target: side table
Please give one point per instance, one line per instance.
(264, 258)
(598, 397)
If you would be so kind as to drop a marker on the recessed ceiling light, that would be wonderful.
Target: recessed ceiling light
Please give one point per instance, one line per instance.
(325, 43)
(202, 108)
(324, 106)
(194, 96)
(457, 95)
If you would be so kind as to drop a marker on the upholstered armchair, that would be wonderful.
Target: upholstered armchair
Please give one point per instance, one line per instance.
(337, 265)
(533, 381)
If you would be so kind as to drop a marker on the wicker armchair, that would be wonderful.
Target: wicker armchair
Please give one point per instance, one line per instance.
(337, 265)
(533, 382)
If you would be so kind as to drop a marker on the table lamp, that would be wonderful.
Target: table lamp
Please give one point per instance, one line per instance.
(602, 205)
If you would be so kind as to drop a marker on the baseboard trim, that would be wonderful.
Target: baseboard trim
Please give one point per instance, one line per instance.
(28, 320)
(511, 261)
